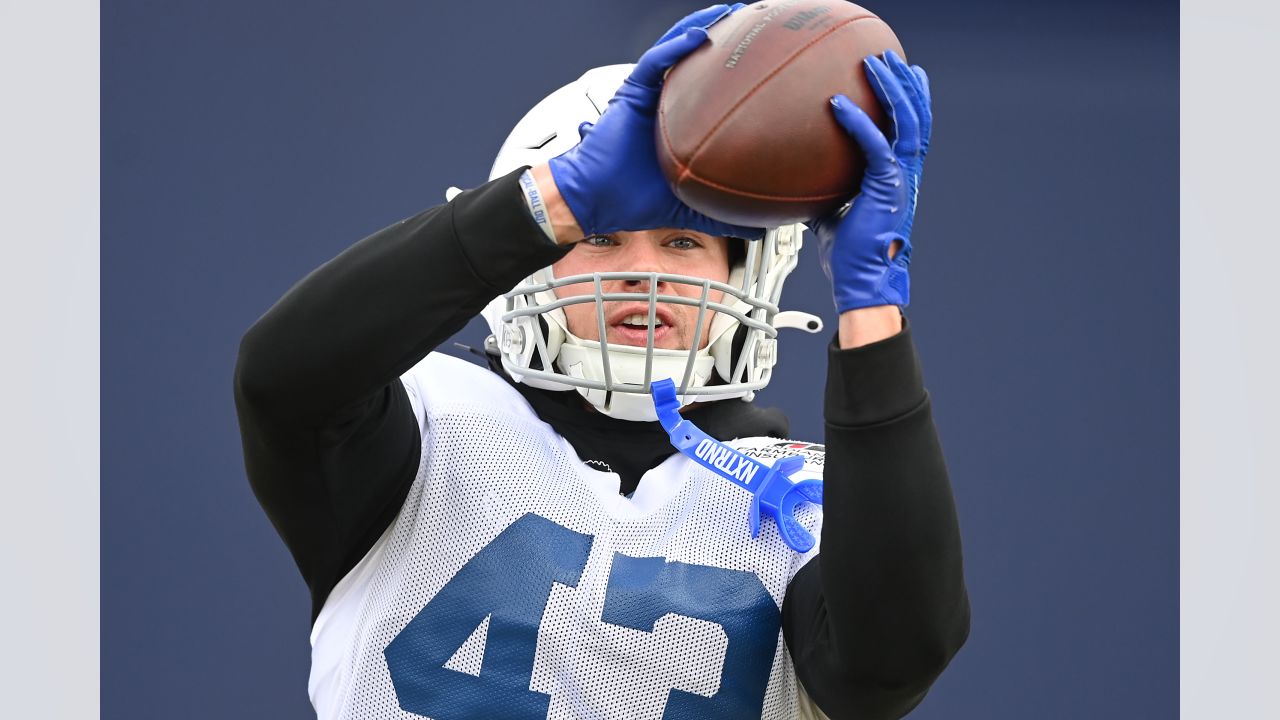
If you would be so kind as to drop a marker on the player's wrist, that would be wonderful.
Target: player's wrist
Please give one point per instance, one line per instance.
(867, 269)
(863, 326)
(564, 225)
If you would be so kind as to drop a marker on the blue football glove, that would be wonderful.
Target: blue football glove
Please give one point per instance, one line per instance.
(611, 180)
(855, 244)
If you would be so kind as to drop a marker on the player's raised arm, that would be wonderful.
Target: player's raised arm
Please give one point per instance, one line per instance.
(880, 613)
(331, 442)
(330, 436)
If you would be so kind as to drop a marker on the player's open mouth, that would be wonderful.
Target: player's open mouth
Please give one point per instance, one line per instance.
(629, 327)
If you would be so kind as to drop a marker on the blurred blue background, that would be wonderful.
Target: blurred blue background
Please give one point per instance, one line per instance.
(244, 143)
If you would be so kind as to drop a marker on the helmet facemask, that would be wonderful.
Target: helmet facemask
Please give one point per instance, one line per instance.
(735, 361)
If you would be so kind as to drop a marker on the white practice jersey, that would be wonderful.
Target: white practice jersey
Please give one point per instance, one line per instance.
(517, 582)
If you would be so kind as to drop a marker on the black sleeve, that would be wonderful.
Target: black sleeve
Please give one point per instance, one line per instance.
(875, 618)
(330, 441)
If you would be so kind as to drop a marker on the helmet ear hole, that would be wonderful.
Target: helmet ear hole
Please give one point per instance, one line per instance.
(737, 252)
(535, 361)
(726, 364)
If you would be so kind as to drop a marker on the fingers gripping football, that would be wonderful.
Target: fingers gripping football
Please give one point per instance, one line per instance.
(611, 180)
(866, 249)
(683, 38)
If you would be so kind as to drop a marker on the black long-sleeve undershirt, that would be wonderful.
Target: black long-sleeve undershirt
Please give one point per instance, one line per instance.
(332, 446)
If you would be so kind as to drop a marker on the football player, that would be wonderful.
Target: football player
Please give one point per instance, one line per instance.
(599, 524)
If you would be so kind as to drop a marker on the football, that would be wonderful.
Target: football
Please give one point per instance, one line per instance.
(745, 132)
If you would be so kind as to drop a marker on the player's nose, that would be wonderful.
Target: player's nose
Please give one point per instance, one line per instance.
(641, 253)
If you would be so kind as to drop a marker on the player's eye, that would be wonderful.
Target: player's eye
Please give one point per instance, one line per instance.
(598, 241)
(684, 242)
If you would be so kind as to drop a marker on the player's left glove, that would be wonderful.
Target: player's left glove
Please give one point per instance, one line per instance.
(611, 180)
(855, 244)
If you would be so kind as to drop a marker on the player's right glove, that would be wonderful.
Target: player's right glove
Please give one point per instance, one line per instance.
(611, 180)
(855, 244)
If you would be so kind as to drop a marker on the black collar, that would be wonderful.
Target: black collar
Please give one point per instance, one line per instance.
(630, 448)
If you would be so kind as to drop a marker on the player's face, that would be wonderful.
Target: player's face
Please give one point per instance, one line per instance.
(665, 250)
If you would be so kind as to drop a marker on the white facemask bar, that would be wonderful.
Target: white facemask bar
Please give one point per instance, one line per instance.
(756, 318)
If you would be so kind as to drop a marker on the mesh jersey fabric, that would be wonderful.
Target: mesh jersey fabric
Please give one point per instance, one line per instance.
(623, 631)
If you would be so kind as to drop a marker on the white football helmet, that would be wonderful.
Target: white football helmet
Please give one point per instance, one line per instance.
(530, 331)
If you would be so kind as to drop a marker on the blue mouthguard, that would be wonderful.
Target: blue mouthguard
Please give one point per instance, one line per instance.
(772, 489)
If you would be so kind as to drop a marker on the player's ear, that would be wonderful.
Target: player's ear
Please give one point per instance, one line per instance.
(737, 250)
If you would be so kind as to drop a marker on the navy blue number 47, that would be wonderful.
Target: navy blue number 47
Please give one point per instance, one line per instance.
(509, 581)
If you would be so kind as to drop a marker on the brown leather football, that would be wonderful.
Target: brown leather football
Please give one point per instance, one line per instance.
(745, 131)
